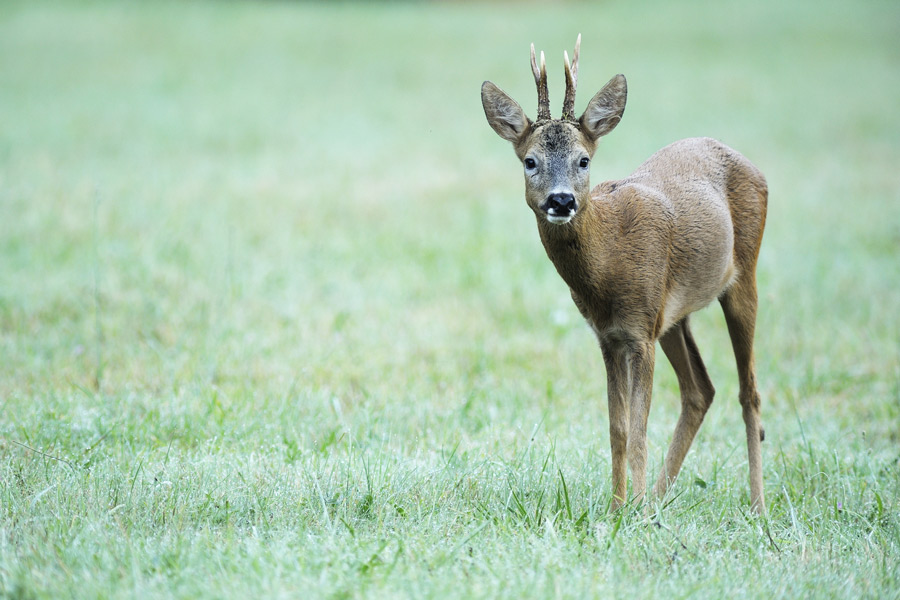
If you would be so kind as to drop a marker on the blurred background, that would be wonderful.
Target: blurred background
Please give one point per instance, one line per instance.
(308, 194)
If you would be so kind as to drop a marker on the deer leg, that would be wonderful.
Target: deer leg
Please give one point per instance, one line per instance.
(697, 393)
(739, 304)
(641, 369)
(618, 389)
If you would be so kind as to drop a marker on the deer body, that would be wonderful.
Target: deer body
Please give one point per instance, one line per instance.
(639, 256)
(660, 241)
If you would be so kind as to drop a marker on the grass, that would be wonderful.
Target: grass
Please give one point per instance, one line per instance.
(275, 321)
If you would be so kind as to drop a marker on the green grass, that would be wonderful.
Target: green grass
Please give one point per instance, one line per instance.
(275, 321)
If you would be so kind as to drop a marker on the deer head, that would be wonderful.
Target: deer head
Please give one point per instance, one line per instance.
(556, 153)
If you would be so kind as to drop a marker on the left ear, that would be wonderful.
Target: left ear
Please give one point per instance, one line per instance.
(605, 109)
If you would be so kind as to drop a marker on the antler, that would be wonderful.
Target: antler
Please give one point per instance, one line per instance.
(540, 78)
(568, 111)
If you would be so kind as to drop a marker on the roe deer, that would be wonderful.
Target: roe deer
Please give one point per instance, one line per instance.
(640, 255)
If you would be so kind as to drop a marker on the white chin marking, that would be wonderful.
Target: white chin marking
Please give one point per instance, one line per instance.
(557, 220)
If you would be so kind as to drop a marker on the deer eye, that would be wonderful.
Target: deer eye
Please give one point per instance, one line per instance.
(584, 162)
(530, 164)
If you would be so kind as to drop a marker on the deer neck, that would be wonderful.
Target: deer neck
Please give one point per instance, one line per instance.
(578, 248)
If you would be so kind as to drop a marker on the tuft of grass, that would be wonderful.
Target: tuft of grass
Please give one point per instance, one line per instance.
(275, 321)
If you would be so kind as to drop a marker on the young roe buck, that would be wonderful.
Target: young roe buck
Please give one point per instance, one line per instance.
(640, 255)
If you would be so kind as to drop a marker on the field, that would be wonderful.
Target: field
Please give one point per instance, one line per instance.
(276, 322)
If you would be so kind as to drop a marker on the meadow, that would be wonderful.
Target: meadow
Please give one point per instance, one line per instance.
(276, 322)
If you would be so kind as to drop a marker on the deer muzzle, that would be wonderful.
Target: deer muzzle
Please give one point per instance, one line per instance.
(560, 207)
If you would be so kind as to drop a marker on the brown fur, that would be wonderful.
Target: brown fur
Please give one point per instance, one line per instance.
(639, 256)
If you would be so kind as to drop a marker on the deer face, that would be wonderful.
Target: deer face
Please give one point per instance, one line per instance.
(555, 153)
(556, 157)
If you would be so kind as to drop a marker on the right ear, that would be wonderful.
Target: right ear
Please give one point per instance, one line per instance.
(504, 114)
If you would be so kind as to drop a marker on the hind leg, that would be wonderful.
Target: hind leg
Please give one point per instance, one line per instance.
(697, 393)
(739, 304)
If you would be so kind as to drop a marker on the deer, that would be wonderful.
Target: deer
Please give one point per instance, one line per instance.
(639, 256)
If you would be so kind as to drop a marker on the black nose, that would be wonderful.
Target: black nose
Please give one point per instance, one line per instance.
(560, 203)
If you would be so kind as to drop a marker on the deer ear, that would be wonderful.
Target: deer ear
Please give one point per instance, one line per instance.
(503, 113)
(605, 109)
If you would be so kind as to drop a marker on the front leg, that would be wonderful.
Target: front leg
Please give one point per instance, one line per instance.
(641, 363)
(616, 359)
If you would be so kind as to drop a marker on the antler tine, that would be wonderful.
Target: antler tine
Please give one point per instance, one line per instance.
(568, 111)
(575, 58)
(540, 78)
